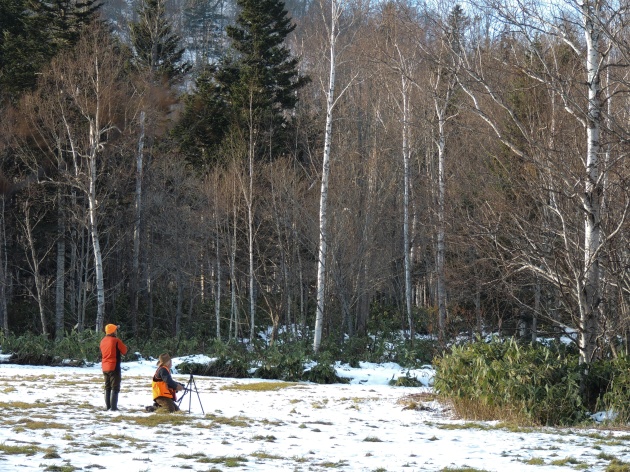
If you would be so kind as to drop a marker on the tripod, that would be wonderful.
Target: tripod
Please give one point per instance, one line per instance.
(191, 386)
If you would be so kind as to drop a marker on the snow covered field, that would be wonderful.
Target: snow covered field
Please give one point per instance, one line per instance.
(53, 419)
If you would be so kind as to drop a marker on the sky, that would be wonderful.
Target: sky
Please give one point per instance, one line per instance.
(54, 420)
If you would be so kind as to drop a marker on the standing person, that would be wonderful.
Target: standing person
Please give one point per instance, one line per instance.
(112, 349)
(164, 387)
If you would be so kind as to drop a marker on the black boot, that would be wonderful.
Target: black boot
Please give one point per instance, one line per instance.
(114, 400)
(107, 400)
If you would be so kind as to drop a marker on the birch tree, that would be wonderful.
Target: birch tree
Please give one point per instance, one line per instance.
(546, 32)
(332, 28)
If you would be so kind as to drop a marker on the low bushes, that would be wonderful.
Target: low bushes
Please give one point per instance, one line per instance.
(530, 384)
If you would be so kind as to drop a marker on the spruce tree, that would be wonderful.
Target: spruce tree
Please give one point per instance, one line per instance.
(263, 61)
(155, 45)
(65, 20)
(22, 50)
(32, 33)
(255, 85)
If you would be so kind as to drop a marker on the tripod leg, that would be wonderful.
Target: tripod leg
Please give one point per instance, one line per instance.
(198, 397)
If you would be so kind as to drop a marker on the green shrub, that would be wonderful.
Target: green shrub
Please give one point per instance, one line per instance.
(405, 381)
(614, 376)
(531, 383)
(224, 366)
(323, 373)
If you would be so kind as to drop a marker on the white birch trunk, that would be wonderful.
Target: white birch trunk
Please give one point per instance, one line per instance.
(34, 265)
(3, 268)
(406, 186)
(323, 200)
(589, 292)
(135, 276)
(217, 297)
(61, 271)
(92, 218)
(250, 228)
(441, 249)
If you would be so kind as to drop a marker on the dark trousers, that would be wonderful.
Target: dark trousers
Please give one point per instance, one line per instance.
(166, 403)
(112, 380)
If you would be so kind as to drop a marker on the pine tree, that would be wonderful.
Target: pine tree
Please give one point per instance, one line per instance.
(21, 49)
(264, 62)
(255, 83)
(203, 23)
(156, 46)
(32, 33)
(65, 20)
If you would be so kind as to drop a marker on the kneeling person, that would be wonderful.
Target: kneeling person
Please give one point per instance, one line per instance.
(164, 387)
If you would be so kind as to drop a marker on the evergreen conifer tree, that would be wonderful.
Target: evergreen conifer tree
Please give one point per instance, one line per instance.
(32, 33)
(21, 49)
(254, 84)
(155, 45)
(64, 20)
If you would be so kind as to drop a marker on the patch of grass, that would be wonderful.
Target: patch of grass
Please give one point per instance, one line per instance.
(196, 455)
(606, 457)
(29, 449)
(372, 439)
(535, 461)
(61, 468)
(52, 454)
(228, 461)
(30, 424)
(123, 438)
(265, 455)
(269, 438)
(334, 465)
(618, 466)
(566, 461)
(21, 405)
(155, 419)
(237, 421)
(471, 425)
(260, 386)
(462, 469)
(103, 444)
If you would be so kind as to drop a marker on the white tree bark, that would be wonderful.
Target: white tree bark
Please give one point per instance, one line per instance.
(60, 278)
(3, 267)
(323, 199)
(406, 189)
(589, 293)
(135, 275)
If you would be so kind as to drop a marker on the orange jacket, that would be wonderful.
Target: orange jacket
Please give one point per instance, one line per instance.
(111, 350)
(160, 386)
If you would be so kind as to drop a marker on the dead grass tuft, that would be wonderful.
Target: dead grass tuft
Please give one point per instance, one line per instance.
(260, 386)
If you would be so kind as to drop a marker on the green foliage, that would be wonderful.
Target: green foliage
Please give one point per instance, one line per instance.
(155, 46)
(223, 366)
(323, 372)
(617, 465)
(251, 88)
(32, 33)
(277, 365)
(533, 383)
(406, 381)
(613, 380)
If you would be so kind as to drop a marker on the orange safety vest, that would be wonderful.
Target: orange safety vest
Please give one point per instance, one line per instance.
(159, 387)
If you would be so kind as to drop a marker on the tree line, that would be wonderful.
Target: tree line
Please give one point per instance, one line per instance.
(436, 168)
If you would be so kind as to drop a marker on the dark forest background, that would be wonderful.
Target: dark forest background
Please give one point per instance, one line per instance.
(161, 167)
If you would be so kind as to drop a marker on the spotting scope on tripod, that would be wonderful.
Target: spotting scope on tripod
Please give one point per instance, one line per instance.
(190, 387)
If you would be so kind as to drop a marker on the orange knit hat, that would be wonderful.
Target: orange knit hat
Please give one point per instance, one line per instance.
(110, 328)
